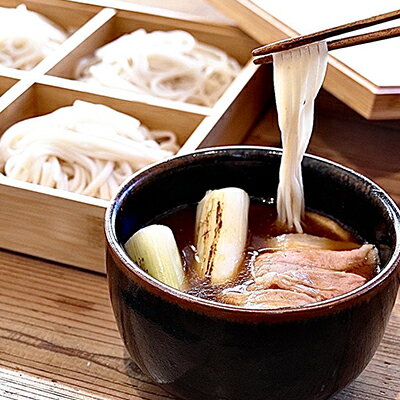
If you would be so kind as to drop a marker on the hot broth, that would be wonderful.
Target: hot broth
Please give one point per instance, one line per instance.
(262, 225)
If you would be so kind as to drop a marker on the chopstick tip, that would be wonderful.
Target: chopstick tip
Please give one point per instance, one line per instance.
(263, 60)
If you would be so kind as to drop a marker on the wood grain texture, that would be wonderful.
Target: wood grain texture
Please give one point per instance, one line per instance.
(58, 340)
(57, 327)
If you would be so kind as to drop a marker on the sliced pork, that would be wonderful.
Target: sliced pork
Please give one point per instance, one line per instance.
(288, 277)
(361, 261)
(318, 283)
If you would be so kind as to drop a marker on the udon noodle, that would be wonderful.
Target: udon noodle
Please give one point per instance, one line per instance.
(298, 76)
(84, 148)
(26, 37)
(171, 65)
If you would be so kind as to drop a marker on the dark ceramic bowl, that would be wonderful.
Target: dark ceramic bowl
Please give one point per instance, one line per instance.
(197, 349)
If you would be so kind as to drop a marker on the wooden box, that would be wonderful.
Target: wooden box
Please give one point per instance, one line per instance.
(66, 227)
(364, 77)
(6, 82)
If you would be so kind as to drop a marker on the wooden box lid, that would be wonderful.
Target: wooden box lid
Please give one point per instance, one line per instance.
(365, 77)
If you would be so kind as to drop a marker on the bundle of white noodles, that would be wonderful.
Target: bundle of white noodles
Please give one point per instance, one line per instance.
(298, 76)
(26, 37)
(84, 148)
(171, 65)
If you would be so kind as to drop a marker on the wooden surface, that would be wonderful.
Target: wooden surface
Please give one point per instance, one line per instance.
(58, 338)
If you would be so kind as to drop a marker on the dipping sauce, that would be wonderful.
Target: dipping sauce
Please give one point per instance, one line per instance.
(262, 229)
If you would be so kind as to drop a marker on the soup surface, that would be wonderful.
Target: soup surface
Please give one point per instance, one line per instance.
(262, 226)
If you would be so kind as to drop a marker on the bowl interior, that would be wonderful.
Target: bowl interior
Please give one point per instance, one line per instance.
(330, 189)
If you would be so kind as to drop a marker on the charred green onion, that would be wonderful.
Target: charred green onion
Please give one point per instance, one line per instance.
(221, 232)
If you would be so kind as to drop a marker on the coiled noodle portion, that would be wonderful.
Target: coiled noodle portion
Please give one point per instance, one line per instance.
(84, 148)
(171, 65)
(26, 37)
(298, 76)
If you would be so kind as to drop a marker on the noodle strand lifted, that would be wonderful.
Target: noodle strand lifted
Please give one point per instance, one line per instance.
(298, 76)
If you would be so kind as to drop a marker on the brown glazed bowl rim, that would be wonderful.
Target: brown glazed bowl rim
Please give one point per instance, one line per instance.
(232, 312)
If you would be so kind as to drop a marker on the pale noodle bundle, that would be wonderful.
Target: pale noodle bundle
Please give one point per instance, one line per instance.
(26, 37)
(84, 148)
(298, 76)
(171, 65)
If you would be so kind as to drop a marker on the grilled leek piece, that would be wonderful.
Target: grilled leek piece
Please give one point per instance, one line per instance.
(154, 249)
(221, 233)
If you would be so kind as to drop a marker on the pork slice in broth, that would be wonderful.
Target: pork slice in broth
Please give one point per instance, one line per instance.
(290, 278)
(320, 284)
(362, 261)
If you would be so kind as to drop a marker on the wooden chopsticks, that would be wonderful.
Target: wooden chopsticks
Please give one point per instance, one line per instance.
(265, 52)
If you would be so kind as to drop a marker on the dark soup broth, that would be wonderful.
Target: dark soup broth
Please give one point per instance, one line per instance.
(262, 225)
